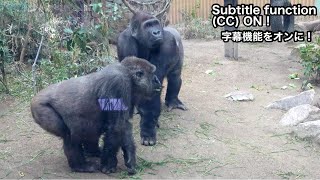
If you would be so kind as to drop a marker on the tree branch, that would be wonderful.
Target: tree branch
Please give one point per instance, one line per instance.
(23, 51)
(34, 67)
(4, 78)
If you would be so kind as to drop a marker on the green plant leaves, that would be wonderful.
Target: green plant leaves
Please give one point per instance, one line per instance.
(294, 76)
(68, 30)
(310, 55)
(96, 7)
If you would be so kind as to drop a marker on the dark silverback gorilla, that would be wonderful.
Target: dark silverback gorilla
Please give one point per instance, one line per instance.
(80, 110)
(282, 23)
(145, 38)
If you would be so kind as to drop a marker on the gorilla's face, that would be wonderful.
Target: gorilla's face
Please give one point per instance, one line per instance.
(152, 32)
(145, 82)
(146, 29)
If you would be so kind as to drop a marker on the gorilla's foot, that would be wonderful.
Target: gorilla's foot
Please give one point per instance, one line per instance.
(88, 167)
(108, 170)
(148, 140)
(175, 104)
(92, 152)
(131, 171)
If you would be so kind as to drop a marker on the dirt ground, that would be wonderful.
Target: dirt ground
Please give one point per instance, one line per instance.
(215, 138)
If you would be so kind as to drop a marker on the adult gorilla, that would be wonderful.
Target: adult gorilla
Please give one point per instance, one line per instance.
(147, 39)
(80, 110)
(281, 23)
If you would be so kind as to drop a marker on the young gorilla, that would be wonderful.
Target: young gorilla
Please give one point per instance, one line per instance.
(80, 109)
(145, 38)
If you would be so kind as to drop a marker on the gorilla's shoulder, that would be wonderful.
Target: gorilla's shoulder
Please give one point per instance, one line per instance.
(115, 70)
(172, 31)
(172, 39)
(125, 34)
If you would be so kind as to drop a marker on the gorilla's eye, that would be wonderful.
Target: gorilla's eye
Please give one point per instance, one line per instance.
(139, 74)
(152, 24)
(148, 25)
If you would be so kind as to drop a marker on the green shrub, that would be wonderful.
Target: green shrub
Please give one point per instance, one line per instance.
(70, 48)
(5, 58)
(310, 59)
(194, 27)
(67, 64)
(198, 28)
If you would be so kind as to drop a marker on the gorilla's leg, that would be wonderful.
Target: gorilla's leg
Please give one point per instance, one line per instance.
(276, 23)
(49, 119)
(112, 143)
(129, 149)
(173, 89)
(288, 23)
(74, 152)
(149, 112)
(281, 23)
(91, 148)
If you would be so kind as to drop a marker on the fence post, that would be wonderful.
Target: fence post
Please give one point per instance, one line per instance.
(230, 48)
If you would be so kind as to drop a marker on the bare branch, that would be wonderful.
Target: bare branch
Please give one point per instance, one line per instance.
(128, 6)
(34, 67)
(164, 9)
(25, 44)
(158, 15)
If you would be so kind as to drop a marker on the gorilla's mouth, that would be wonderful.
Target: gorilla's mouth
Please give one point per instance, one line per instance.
(156, 42)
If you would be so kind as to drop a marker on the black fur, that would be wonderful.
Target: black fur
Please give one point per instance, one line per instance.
(145, 38)
(282, 23)
(74, 110)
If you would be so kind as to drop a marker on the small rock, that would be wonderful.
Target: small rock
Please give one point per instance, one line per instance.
(239, 96)
(299, 114)
(308, 129)
(289, 102)
(209, 71)
(210, 37)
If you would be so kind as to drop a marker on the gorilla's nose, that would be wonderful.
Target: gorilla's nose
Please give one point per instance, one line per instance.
(156, 33)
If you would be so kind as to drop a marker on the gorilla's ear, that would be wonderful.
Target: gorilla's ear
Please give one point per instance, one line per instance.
(154, 68)
(134, 28)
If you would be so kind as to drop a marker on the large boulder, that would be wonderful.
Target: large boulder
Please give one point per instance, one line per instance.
(308, 130)
(299, 114)
(289, 102)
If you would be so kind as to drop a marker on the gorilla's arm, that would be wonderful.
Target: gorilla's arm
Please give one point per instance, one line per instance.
(173, 49)
(127, 45)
